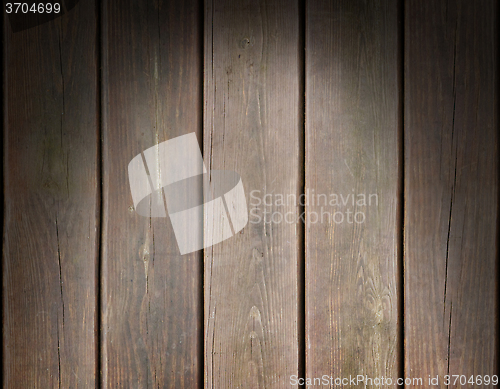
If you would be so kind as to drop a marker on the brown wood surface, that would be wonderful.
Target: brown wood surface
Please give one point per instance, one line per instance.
(296, 97)
(352, 143)
(252, 125)
(51, 203)
(451, 188)
(151, 295)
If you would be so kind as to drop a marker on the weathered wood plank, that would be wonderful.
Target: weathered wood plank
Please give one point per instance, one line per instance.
(51, 203)
(252, 125)
(352, 143)
(151, 298)
(451, 188)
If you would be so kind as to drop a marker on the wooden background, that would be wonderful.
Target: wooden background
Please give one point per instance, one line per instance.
(393, 98)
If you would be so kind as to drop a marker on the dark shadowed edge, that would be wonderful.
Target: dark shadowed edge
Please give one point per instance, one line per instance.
(2, 197)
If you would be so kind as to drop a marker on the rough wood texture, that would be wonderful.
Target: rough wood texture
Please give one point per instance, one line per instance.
(235, 315)
(451, 188)
(51, 203)
(352, 149)
(252, 125)
(151, 296)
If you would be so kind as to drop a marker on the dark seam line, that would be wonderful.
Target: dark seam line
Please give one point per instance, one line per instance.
(301, 258)
(99, 237)
(201, 254)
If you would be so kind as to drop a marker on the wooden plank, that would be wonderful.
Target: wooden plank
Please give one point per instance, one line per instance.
(451, 188)
(51, 203)
(352, 143)
(151, 297)
(252, 125)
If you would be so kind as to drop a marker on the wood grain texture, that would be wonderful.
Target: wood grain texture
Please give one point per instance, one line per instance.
(151, 296)
(352, 101)
(451, 188)
(252, 125)
(51, 203)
